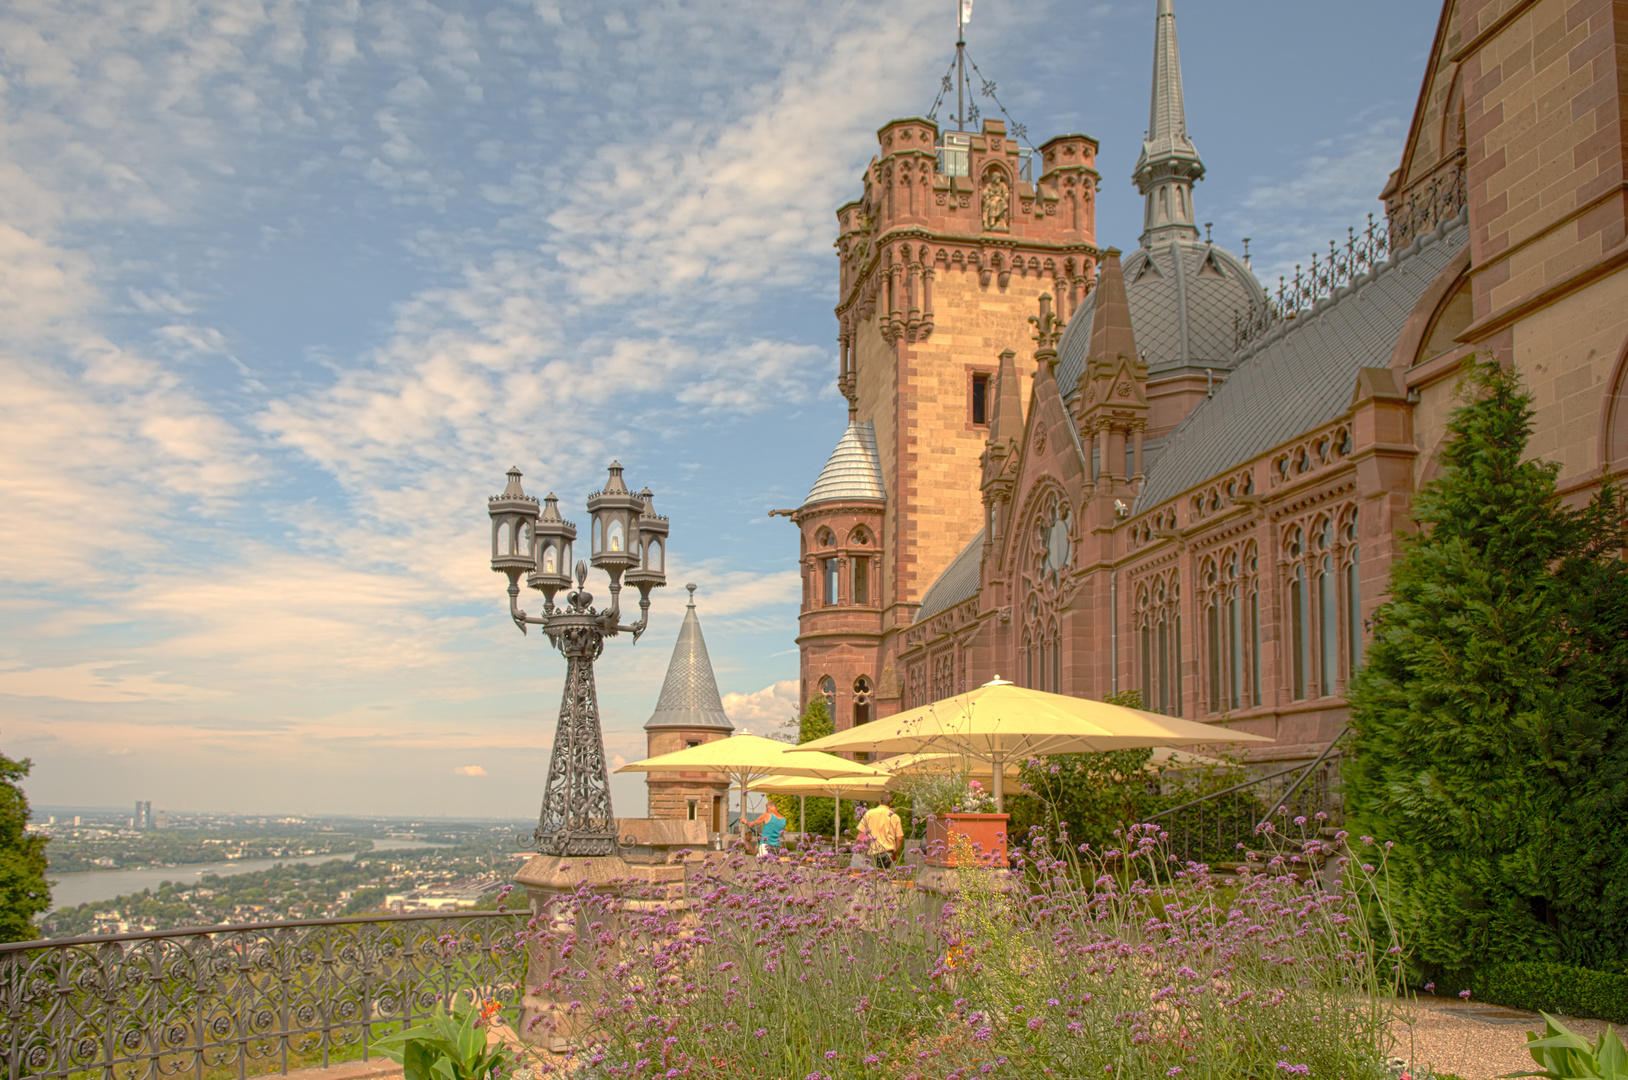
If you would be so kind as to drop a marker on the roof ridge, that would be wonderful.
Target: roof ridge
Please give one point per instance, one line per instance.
(1300, 377)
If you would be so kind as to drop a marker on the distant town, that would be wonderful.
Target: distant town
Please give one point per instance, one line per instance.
(236, 869)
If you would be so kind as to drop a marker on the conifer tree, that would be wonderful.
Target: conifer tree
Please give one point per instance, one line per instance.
(24, 892)
(1490, 737)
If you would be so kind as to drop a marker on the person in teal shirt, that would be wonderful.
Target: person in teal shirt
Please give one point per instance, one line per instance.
(769, 835)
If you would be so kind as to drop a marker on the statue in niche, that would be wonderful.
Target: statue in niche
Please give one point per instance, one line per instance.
(997, 201)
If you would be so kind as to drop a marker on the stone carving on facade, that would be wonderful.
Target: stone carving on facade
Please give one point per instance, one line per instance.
(997, 202)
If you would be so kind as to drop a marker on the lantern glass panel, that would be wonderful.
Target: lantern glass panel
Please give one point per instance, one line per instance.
(522, 537)
(501, 545)
(597, 542)
(550, 560)
(613, 536)
(656, 556)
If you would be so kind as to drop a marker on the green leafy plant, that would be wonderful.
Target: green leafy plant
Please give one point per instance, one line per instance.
(1565, 1055)
(934, 791)
(815, 815)
(24, 892)
(452, 1045)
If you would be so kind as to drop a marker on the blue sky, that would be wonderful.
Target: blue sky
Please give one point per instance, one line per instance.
(285, 287)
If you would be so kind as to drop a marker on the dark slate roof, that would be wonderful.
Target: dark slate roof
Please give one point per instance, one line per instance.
(1303, 374)
(854, 470)
(958, 582)
(689, 696)
(1184, 296)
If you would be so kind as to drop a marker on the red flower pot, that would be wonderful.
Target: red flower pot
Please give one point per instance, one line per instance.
(985, 833)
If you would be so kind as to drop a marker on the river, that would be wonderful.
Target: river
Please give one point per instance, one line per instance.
(71, 890)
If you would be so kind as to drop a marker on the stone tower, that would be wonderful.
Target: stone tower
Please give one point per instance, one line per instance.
(942, 260)
(688, 713)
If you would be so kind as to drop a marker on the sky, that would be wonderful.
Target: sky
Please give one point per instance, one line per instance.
(285, 288)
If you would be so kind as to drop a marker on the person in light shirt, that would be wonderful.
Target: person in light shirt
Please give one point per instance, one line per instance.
(883, 831)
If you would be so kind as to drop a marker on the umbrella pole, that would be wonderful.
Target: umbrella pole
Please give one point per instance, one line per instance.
(999, 785)
(802, 813)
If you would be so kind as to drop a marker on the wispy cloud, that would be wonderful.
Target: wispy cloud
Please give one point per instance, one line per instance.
(287, 550)
(1330, 190)
(763, 711)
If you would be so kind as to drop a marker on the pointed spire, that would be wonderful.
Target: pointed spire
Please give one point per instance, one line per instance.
(689, 696)
(1169, 164)
(1111, 334)
(1007, 421)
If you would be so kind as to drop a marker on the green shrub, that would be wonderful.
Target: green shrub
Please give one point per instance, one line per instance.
(1491, 719)
(1553, 988)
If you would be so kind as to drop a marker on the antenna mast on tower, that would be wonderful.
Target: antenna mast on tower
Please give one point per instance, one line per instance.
(963, 8)
(960, 76)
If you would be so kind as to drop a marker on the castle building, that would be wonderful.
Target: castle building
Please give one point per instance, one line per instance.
(1186, 485)
(689, 712)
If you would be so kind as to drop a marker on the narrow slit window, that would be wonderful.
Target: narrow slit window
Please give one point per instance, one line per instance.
(862, 585)
(980, 398)
(1255, 647)
(1353, 593)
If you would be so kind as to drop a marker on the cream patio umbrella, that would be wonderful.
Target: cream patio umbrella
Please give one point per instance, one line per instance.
(745, 758)
(983, 771)
(838, 788)
(1001, 723)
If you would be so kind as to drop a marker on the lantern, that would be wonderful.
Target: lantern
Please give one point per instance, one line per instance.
(615, 512)
(514, 519)
(651, 572)
(553, 537)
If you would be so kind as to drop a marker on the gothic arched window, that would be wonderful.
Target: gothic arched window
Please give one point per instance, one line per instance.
(1160, 620)
(1328, 617)
(1353, 595)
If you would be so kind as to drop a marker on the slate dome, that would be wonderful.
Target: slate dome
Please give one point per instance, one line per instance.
(1184, 296)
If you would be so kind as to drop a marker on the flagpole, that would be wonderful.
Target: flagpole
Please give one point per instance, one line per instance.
(960, 64)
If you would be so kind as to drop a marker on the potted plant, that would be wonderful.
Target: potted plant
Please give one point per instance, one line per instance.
(960, 818)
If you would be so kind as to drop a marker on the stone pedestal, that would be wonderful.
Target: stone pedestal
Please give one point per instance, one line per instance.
(648, 874)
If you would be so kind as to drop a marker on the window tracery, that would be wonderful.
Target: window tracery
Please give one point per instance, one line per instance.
(1044, 565)
(1158, 628)
(1321, 564)
(1230, 603)
(943, 675)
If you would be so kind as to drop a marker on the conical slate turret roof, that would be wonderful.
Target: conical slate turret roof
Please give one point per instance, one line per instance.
(689, 697)
(854, 470)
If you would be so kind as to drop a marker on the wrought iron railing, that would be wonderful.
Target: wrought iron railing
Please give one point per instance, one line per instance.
(246, 1000)
(1219, 828)
(1426, 206)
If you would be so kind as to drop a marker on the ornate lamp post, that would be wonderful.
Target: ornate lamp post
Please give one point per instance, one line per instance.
(629, 543)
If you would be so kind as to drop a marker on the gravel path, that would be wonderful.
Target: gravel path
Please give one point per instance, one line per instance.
(1471, 1040)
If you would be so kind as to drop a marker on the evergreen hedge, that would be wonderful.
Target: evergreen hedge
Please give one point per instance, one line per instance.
(1552, 988)
(1490, 723)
